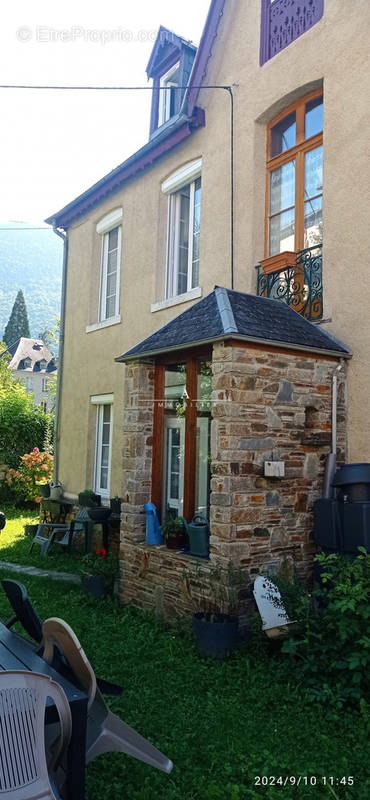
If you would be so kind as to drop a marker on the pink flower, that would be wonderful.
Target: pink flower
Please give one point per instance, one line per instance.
(35, 450)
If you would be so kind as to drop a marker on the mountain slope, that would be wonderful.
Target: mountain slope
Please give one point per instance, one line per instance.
(30, 260)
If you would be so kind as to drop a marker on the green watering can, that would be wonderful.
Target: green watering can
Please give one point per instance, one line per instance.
(198, 532)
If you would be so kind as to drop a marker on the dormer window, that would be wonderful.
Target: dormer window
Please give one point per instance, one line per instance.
(27, 363)
(43, 363)
(169, 67)
(169, 84)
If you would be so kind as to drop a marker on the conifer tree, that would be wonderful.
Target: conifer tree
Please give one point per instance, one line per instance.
(18, 321)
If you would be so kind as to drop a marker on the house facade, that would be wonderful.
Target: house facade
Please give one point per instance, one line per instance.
(257, 184)
(33, 364)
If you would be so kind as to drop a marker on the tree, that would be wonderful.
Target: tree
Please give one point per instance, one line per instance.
(18, 321)
(50, 336)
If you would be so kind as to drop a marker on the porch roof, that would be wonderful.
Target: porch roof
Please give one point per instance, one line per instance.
(227, 314)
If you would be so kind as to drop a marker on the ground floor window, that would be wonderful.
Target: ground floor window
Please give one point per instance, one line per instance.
(181, 451)
(103, 444)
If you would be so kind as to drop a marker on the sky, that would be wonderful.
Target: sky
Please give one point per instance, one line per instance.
(54, 145)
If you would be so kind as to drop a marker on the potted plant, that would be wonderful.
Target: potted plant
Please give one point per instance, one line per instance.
(174, 533)
(215, 622)
(99, 571)
(89, 499)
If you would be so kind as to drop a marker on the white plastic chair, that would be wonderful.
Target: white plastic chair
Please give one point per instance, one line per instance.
(106, 732)
(24, 772)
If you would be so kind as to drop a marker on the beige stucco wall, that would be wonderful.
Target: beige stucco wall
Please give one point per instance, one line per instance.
(334, 54)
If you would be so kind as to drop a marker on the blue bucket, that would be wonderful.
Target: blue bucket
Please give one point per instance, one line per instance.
(153, 535)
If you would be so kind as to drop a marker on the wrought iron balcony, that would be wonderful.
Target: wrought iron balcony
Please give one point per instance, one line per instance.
(300, 285)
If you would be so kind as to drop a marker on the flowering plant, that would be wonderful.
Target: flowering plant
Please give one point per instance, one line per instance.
(35, 468)
(101, 563)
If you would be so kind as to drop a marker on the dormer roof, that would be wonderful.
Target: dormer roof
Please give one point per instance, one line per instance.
(167, 46)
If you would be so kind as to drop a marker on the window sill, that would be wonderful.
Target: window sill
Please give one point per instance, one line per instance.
(176, 301)
(106, 323)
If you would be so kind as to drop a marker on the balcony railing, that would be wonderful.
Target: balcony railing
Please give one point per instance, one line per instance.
(299, 286)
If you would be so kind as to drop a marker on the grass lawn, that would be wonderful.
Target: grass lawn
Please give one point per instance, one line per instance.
(15, 546)
(222, 724)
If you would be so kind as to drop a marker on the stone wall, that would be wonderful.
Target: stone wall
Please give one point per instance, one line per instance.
(267, 406)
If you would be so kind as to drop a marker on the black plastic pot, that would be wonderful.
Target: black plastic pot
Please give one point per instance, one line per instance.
(45, 490)
(99, 514)
(216, 634)
(95, 585)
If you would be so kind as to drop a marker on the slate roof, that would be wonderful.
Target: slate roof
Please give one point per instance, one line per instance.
(35, 349)
(226, 314)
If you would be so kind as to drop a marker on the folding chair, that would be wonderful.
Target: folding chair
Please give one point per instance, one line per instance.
(105, 731)
(24, 771)
(53, 529)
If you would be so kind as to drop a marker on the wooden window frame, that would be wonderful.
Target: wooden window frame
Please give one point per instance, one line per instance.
(298, 153)
(191, 359)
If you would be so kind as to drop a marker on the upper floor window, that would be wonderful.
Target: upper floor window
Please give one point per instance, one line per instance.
(183, 242)
(45, 385)
(29, 385)
(295, 177)
(282, 23)
(27, 363)
(43, 363)
(110, 265)
(167, 95)
(169, 66)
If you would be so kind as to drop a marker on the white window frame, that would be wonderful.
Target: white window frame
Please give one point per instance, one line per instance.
(164, 105)
(104, 227)
(187, 175)
(171, 423)
(100, 401)
(45, 385)
(29, 384)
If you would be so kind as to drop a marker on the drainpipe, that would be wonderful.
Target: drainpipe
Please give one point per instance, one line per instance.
(331, 461)
(63, 236)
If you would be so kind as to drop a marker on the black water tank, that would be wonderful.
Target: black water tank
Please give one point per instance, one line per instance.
(354, 481)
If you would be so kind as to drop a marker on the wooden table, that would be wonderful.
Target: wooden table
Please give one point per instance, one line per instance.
(17, 653)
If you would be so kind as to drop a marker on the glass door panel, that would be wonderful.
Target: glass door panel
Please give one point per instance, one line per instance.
(174, 452)
(313, 187)
(282, 209)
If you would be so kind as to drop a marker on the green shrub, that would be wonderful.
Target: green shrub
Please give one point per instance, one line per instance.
(23, 426)
(333, 644)
(35, 469)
